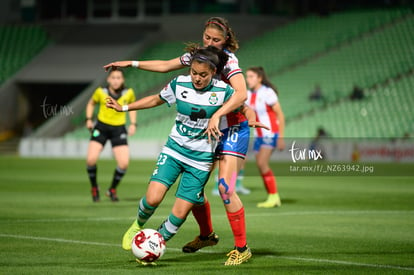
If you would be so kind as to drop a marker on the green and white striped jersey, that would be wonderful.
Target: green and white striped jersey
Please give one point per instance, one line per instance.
(187, 141)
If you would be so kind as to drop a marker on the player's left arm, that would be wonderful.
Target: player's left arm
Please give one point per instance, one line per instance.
(251, 117)
(281, 117)
(143, 103)
(133, 123)
(238, 83)
(132, 115)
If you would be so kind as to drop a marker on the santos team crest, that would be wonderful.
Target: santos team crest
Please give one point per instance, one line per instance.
(213, 99)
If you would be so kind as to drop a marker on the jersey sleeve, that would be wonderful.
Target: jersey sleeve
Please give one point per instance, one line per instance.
(96, 97)
(185, 59)
(229, 93)
(168, 93)
(232, 67)
(131, 97)
(249, 96)
(271, 97)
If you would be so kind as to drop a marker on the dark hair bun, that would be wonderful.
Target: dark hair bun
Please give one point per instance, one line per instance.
(213, 56)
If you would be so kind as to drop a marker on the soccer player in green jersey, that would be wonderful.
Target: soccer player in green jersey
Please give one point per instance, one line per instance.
(187, 152)
(231, 121)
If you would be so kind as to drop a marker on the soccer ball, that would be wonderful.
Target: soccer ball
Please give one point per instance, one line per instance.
(148, 245)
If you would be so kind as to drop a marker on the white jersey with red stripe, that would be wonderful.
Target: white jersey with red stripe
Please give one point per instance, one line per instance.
(261, 101)
(230, 69)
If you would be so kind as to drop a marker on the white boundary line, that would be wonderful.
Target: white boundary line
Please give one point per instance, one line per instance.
(339, 262)
(58, 240)
(250, 215)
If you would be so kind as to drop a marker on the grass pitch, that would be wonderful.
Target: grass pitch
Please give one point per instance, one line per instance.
(326, 225)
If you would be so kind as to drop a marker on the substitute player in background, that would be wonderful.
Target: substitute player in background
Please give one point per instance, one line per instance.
(235, 127)
(110, 125)
(188, 151)
(262, 98)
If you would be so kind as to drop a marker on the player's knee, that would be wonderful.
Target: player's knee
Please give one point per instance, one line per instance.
(153, 201)
(264, 170)
(223, 190)
(263, 166)
(91, 161)
(123, 165)
(180, 213)
(226, 190)
(122, 162)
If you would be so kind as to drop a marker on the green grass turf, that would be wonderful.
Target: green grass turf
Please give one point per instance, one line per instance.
(326, 225)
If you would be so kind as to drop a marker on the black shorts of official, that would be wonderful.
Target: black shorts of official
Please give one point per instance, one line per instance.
(116, 134)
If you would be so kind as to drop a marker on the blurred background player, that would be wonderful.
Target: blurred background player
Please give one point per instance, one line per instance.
(262, 98)
(317, 93)
(188, 151)
(317, 141)
(109, 125)
(235, 127)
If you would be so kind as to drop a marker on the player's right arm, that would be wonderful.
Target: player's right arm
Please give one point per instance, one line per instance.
(90, 107)
(281, 117)
(161, 66)
(251, 117)
(144, 103)
(89, 113)
(238, 83)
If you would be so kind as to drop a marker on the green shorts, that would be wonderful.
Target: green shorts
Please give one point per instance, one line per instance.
(191, 186)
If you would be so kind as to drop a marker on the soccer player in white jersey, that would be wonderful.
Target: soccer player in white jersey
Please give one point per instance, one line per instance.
(188, 151)
(262, 98)
(234, 143)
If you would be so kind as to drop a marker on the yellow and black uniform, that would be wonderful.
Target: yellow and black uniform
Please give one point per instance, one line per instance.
(111, 124)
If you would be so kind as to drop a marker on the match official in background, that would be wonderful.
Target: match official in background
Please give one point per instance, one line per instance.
(110, 125)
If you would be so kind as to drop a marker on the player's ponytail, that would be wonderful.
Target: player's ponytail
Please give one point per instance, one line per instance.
(216, 58)
(223, 25)
(265, 80)
(222, 58)
(191, 47)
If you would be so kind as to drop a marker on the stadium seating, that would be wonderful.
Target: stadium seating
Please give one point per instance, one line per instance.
(330, 31)
(158, 129)
(365, 62)
(386, 112)
(304, 38)
(18, 44)
(380, 50)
